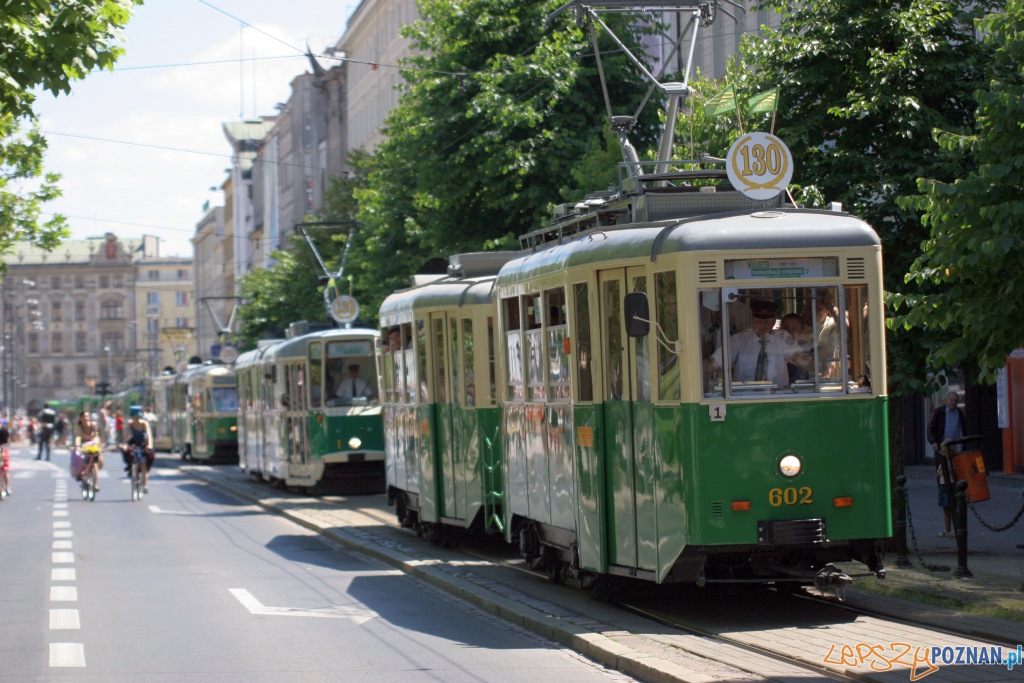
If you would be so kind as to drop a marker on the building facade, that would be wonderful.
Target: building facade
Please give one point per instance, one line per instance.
(73, 318)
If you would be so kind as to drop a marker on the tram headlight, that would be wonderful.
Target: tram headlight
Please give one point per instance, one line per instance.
(790, 466)
(355, 442)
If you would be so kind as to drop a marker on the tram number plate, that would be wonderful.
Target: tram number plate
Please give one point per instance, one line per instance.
(791, 496)
(716, 411)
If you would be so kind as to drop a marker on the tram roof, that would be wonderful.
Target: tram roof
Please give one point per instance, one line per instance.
(297, 347)
(213, 369)
(737, 231)
(447, 292)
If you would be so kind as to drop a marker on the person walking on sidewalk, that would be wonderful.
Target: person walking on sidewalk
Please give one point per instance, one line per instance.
(947, 424)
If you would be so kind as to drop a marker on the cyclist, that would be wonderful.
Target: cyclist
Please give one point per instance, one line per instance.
(90, 445)
(138, 432)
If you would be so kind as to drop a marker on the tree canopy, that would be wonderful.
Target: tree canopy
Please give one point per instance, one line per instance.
(862, 87)
(44, 45)
(500, 118)
(967, 280)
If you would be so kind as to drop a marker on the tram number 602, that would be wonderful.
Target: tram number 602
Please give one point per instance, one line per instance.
(759, 160)
(791, 496)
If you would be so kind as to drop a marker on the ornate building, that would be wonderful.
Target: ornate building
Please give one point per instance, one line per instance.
(70, 318)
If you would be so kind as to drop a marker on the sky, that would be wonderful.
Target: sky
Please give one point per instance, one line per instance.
(141, 149)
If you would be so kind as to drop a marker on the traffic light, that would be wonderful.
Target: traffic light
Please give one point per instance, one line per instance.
(103, 388)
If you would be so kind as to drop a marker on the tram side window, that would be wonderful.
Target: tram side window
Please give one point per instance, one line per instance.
(440, 363)
(315, 374)
(456, 370)
(584, 355)
(513, 348)
(408, 385)
(469, 373)
(532, 309)
(490, 358)
(387, 364)
(858, 340)
(558, 360)
(643, 352)
(710, 325)
(613, 333)
(667, 312)
(421, 360)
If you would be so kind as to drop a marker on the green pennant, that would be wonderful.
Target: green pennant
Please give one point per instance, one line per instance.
(722, 103)
(766, 102)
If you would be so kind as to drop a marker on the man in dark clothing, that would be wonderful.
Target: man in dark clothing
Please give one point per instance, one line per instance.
(947, 424)
(47, 419)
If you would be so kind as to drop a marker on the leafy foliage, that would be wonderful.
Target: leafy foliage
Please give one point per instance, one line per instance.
(48, 45)
(967, 278)
(501, 118)
(863, 85)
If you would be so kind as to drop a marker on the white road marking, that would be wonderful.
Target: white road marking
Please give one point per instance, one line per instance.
(67, 655)
(63, 558)
(62, 545)
(60, 524)
(62, 574)
(60, 506)
(357, 615)
(63, 594)
(63, 533)
(183, 513)
(60, 513)
(64, 619)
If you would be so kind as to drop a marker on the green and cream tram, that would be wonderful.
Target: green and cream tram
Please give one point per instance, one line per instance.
(203, 404)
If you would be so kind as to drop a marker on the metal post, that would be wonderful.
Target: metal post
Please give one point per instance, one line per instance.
(961, 531)
(901, 522)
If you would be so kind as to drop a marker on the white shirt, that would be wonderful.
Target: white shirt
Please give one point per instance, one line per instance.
(744, 348)
(353, 388)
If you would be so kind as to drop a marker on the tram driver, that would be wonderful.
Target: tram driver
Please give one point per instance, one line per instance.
(763, 352)
(353, 387)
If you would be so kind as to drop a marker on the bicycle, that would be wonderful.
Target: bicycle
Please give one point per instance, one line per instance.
(138, 459)
(90, 476)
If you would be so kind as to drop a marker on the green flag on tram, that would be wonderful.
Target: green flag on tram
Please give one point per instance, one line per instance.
(722, 103)
(767, 101)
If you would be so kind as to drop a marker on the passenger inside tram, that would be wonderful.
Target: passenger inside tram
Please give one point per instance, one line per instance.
(761, 353)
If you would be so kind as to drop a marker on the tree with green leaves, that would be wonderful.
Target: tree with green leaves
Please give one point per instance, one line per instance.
(47, 45)
(862, 87)
(966, 288)
(501, 117)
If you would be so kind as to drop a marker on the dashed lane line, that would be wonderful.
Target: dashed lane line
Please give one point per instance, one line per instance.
(67, 655)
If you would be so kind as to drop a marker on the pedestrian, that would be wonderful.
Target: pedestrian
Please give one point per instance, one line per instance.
(5, 459)
(947, 424)
(47, 418)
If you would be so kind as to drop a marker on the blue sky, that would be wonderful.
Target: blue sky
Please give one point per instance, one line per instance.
(140, 148)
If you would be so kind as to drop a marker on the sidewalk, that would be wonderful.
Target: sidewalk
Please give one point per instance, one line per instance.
(994, 558)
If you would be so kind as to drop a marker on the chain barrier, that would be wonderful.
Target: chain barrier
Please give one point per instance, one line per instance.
(913, 537)
(1005, 527)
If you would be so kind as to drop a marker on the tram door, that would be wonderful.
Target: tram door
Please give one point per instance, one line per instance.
(296, 413)
(628, 422)
(445, 405)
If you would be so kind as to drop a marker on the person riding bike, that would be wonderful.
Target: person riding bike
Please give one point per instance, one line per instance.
(89, 435)
(139, 435)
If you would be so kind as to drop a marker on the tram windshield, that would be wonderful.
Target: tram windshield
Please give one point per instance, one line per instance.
(784, 340)
(350, 373)
(225, 399)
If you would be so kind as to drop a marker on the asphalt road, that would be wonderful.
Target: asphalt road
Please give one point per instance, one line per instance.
(191, 584)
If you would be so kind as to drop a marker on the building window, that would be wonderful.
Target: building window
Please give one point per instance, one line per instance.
(182, 298)
(79, 310)
(55, 312)
(113, 340)
(79, 282)
(79, 375)
(153, 275)
(58, 376)
(152, 299)
(33, 342)
(33, 376)
(184, 274)
(104, 281)
(111, 310)
(55, 282)
(57, 343)
(118, 281)
(80, 346)
(181, 322)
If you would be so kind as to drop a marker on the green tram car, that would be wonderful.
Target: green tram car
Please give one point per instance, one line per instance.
(627, 447)
(311, 430)
(438, 374)
(203, 409)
